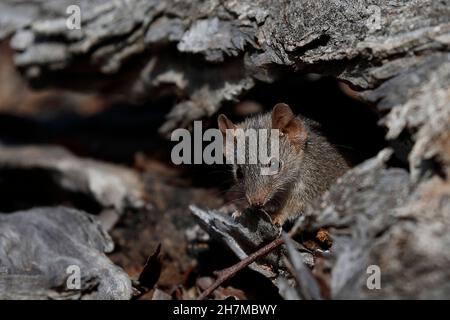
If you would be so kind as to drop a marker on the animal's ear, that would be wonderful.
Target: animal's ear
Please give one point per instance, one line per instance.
(294, 128)
(224, 123)
(281, 115)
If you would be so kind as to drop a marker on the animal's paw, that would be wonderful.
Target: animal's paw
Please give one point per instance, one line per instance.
(278, 220)
(236, 214)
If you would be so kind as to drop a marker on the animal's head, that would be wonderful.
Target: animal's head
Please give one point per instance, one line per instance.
(267, 185)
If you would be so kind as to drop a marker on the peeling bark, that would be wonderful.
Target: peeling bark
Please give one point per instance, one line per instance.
(362, 42)
(35, 266)
(111, 186)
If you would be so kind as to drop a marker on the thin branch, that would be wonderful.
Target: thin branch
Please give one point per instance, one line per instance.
(228, 273)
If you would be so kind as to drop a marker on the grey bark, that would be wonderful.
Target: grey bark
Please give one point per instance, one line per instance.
(38, 248)
(111, 186)
(214, 51)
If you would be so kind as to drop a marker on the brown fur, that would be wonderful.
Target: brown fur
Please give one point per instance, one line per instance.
(310, 164)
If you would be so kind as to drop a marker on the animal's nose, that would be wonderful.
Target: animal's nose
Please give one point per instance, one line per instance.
(257, 202)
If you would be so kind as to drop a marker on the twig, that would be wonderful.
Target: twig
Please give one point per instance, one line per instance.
(228, 273)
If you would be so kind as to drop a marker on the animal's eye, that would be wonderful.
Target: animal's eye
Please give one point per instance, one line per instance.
(239, 174)
(275, 164)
